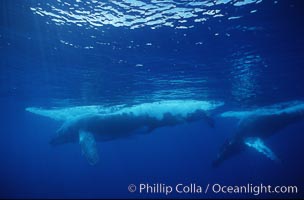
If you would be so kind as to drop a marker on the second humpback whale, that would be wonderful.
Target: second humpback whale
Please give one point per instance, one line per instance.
(258, 124)
(88, 124)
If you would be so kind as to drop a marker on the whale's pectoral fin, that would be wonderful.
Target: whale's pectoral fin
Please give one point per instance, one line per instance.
(88, 146)
(258, 144)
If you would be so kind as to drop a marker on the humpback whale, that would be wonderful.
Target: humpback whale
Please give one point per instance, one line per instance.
(87, 124)
(256, 125)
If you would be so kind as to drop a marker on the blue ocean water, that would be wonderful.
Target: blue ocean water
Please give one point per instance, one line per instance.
(57, 53)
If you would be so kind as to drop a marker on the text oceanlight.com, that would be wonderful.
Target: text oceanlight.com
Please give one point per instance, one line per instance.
(193, 188)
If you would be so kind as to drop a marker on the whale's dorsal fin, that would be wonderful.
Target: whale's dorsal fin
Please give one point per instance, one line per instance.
(88, 146)
(258, 144)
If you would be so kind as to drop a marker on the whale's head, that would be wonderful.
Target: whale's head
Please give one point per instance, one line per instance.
(229, 149)
(67, 133)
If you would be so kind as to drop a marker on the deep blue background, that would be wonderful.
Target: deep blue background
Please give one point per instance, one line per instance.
(250, 68)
